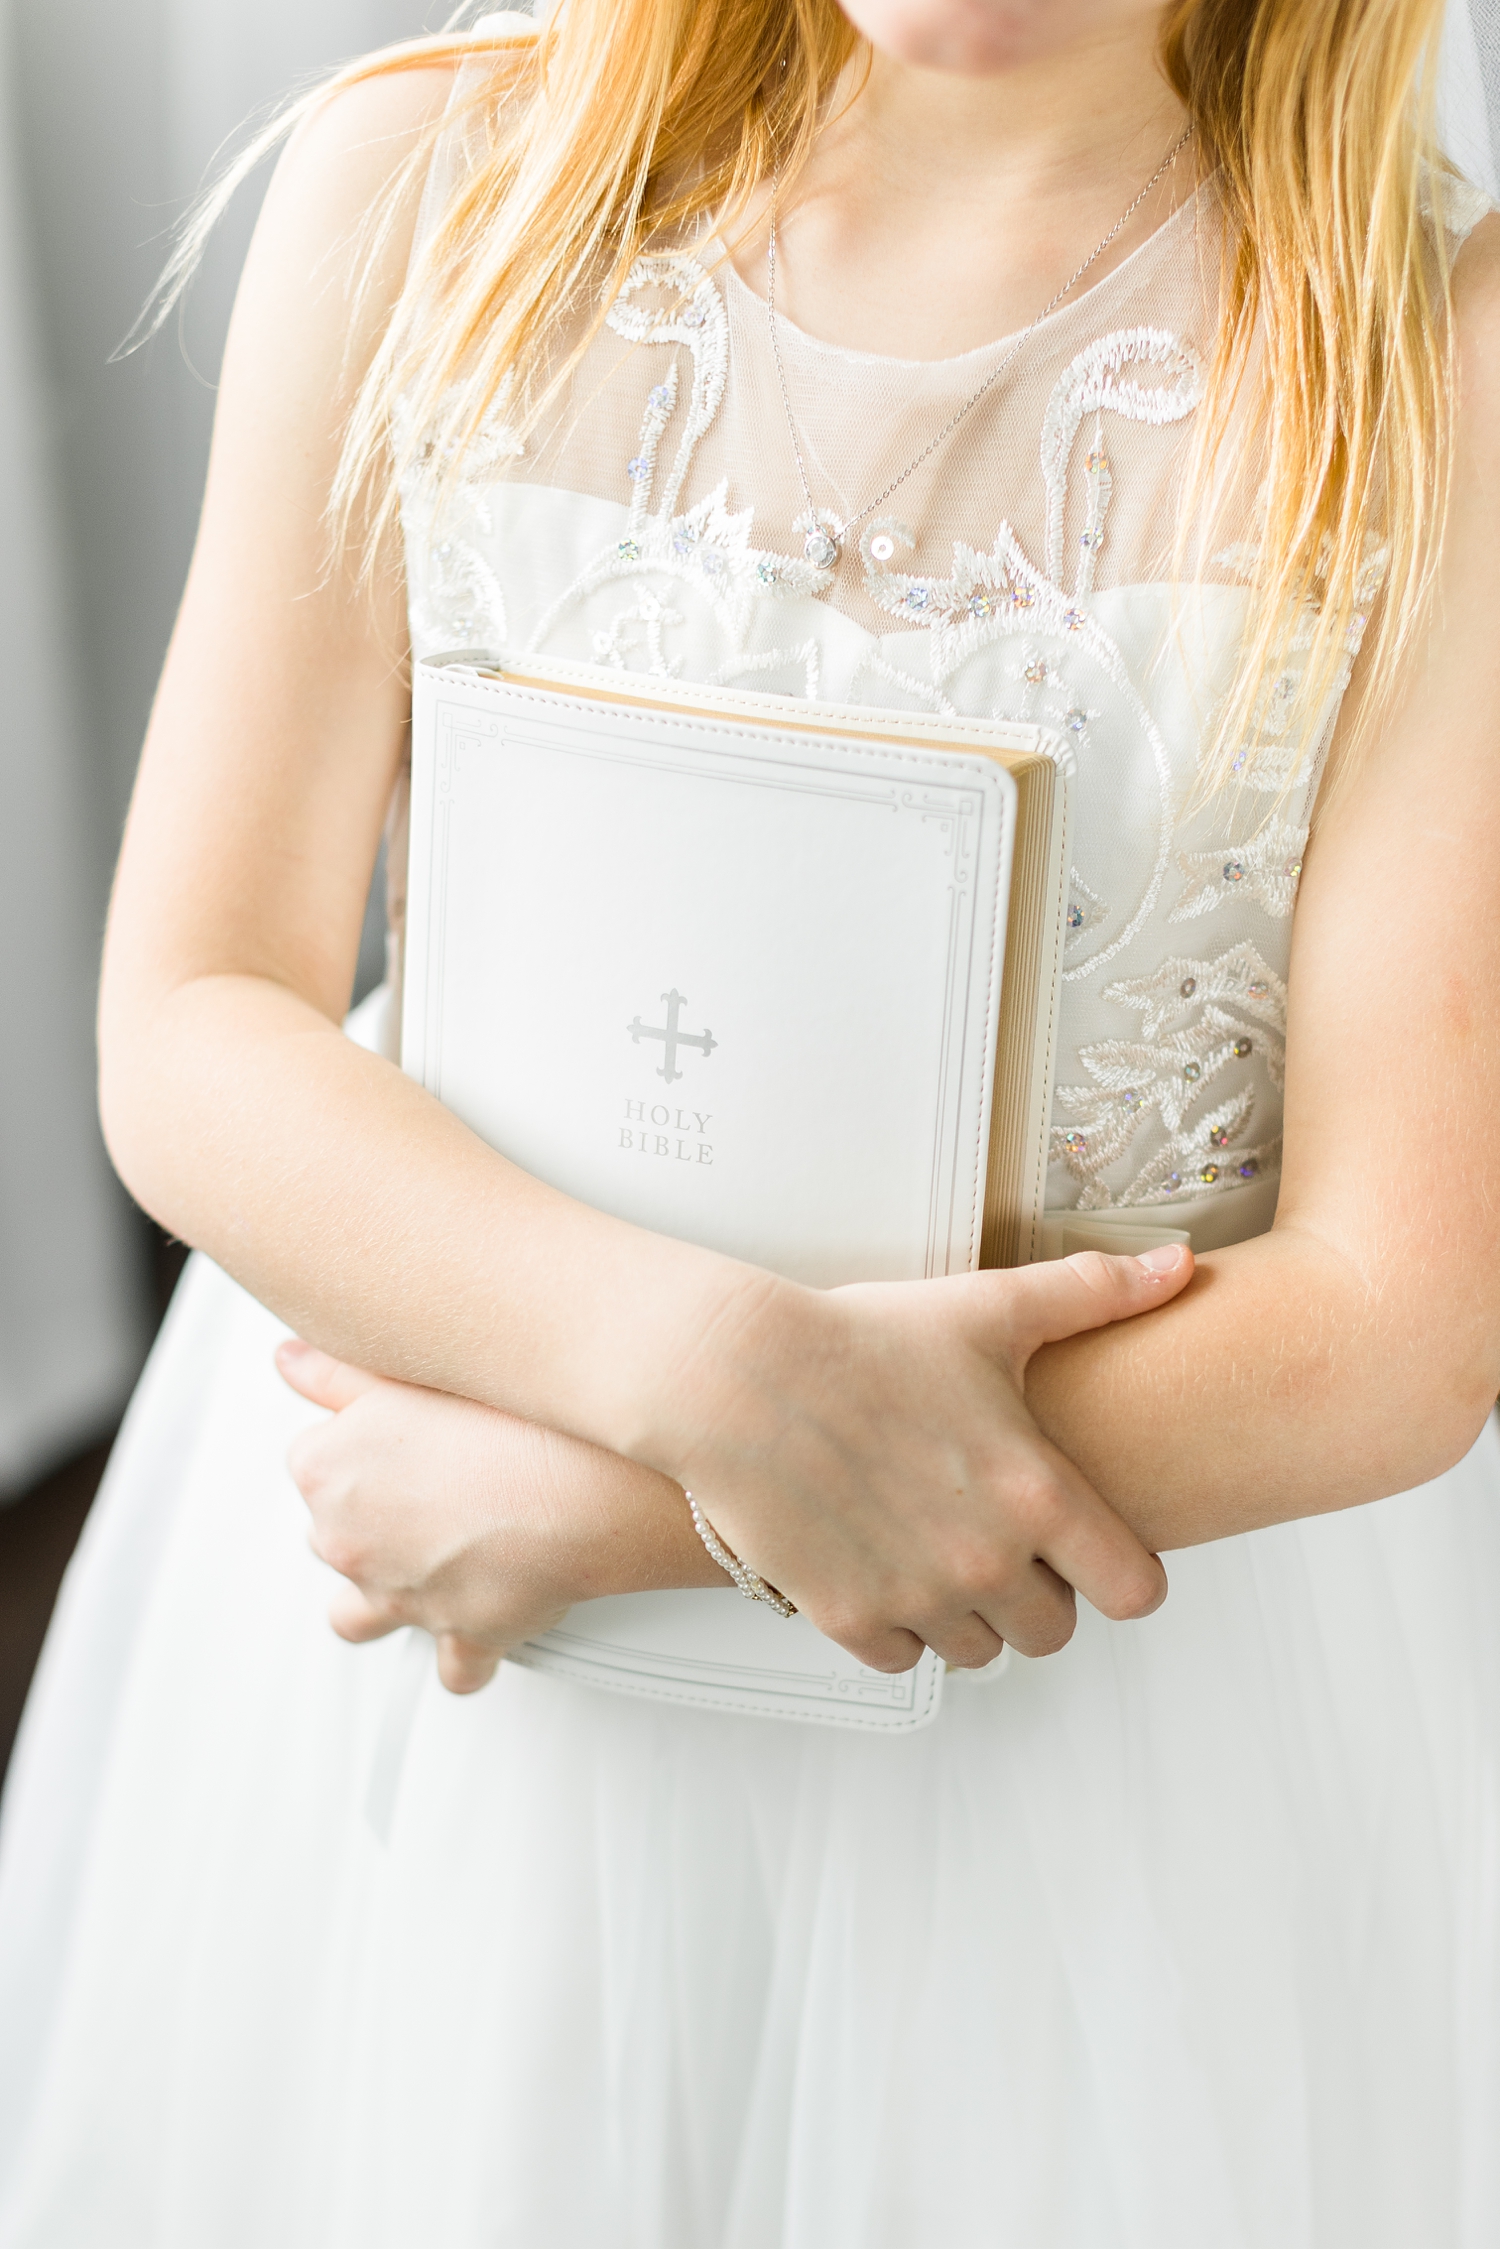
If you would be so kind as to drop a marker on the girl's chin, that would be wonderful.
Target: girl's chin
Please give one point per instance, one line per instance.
(978, 38)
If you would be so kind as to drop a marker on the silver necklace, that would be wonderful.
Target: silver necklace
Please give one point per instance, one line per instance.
(823, 544)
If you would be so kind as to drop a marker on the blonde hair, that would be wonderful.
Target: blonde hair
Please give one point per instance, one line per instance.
(628, 121)
(1335, 333)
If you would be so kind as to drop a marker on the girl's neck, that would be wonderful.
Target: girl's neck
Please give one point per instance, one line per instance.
(939, 211)
(1071, 116)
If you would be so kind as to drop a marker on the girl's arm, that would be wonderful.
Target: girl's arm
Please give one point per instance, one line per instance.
(860, 1446)
(479, 1527)
(1355, 1350)
(352, 1203)
(236, 1112)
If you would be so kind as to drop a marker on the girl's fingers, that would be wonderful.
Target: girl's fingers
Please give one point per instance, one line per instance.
(967, 1645)
(464, 1666)
(1080, 1537)
(354, 1618)
(323, 1380)
(1040, 1615)
(1068, 1295)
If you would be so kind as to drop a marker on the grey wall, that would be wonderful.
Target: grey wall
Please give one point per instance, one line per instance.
(110, 117)
(126, 103)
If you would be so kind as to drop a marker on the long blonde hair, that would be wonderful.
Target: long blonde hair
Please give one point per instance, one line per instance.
(628, 121)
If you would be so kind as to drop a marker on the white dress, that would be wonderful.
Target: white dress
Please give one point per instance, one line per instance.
(1185, 1938)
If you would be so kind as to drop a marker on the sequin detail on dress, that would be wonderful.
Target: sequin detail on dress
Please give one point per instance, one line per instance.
(669, 559)
(1198, 1020)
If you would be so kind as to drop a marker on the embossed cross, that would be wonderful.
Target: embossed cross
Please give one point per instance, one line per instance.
(671, 1037)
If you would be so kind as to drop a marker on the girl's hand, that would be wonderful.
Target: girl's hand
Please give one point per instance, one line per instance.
(869, 1451)
(875, 1437)
(479, 1527)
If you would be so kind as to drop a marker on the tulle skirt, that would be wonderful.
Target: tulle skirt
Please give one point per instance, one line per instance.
(1185, 1938)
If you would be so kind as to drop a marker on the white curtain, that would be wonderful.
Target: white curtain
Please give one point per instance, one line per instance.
(110, 113)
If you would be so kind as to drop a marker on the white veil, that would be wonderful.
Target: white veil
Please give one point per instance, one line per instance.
(1469, 91)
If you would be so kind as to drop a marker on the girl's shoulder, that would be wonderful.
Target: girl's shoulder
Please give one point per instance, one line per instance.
(343, 208)
(382, 100)
(1475, 248)
(378, 118)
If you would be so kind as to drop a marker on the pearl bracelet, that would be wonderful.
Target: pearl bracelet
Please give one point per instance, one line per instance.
(753, 1586)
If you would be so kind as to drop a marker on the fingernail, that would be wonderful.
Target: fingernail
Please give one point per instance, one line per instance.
(1163, 1260)
(294, 1349)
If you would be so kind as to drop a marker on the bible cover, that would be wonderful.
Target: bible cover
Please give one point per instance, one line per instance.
(778, 978)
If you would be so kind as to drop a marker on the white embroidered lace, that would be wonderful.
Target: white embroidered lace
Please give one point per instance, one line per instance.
(656, 526)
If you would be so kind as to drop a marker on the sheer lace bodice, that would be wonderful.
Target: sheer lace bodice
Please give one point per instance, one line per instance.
(1026, 571)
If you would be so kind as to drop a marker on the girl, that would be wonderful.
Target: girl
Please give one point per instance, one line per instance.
(673, 342)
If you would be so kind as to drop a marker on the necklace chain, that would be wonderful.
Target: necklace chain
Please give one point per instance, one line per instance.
(823, 546)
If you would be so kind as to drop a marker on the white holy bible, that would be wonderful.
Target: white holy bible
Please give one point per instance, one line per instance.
(775, 977)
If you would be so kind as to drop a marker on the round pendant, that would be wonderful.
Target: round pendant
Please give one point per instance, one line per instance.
(821, 548)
